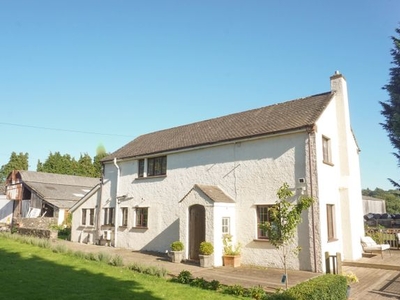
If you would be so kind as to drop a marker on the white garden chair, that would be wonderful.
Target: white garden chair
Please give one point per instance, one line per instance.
(370, 246)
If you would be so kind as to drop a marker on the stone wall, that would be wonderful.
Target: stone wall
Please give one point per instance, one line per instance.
(37, 227)
(39, 233)
(38, 223)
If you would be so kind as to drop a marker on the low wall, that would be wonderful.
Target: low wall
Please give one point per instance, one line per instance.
(37, 227)
(39, 223)
(39, 233)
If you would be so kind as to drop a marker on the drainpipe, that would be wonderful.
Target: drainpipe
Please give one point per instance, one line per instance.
(116, 203)
(312, 206)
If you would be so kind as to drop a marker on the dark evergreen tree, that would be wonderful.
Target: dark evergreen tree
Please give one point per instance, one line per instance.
(59, 164)
(16, 162)
(391, 108)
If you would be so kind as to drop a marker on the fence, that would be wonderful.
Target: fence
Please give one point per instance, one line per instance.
(384, 236)
(333, 263)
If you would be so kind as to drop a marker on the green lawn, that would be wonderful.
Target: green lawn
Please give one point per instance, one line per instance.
(31, 272)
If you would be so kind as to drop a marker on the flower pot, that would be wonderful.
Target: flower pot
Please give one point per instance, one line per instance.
(206, 261)
(232, 260)
(176, 256)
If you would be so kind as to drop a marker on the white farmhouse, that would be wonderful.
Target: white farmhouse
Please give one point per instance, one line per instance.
(199, 181)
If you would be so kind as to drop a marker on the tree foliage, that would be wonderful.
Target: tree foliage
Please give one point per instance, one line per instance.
(16, 162)
(391, 108)
(65, 164)
(285, 216)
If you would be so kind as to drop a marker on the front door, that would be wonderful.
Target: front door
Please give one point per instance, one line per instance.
(197, 230)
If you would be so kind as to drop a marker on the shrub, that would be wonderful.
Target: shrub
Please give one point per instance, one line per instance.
(199, 282)
(59, 249)
(328, 286)
(214, 285)
(206, 248)
(177, 246)
(229, 247)
(104, 257)
(256, 292)
(184, 277)
(117, 261)
(236, 290)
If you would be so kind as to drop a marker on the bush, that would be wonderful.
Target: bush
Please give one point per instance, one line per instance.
(117, 261)
(177, 246)
(104, 257)
(324, 287)
(206, 248)
(184, 277)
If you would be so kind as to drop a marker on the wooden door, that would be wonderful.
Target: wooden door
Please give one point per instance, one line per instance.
(197, 230)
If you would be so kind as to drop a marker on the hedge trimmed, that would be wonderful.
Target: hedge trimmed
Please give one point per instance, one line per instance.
(324, 287)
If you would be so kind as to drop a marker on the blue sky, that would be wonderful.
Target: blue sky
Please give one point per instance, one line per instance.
(104, 72)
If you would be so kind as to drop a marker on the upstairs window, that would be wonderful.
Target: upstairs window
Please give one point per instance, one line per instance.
(156, 166)
(326, 150)
(141, 168)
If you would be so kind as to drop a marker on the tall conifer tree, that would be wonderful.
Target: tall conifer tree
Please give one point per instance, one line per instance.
(391, 108)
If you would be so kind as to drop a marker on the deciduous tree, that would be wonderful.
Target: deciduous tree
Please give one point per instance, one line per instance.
(281, 228)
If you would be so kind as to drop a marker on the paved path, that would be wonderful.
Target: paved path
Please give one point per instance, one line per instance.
(380, 283)
(268, 278)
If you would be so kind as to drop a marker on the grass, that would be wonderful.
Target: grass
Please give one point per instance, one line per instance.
(32, 272)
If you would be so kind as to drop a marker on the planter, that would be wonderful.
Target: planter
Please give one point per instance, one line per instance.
(176, 256)
(232, 260)
(206, 261)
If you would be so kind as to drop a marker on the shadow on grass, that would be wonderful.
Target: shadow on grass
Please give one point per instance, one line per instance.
(33, 277)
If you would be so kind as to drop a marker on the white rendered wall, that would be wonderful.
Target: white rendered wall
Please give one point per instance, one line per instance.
(6, 210)
(339, 183)
(249, 172)
(85, 233)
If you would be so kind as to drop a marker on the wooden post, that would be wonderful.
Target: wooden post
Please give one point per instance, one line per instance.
(339, 262)
(327, 263)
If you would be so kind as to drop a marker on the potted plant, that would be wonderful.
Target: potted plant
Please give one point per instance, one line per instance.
(206, 250)
(350, 278)
(232, 252)
(177, 251)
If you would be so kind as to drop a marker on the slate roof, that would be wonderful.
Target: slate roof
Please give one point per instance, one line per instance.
(62, 191)
(214, 193)
(286, 116)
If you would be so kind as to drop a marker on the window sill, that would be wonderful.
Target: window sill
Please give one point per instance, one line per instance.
(328, 163)
(333, 240)
(145, 228)
(261, 240)
(151, 177)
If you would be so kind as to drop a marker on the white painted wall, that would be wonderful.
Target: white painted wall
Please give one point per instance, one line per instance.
(85, 233)
(250, 172)
(6, 207)
(339, 184)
